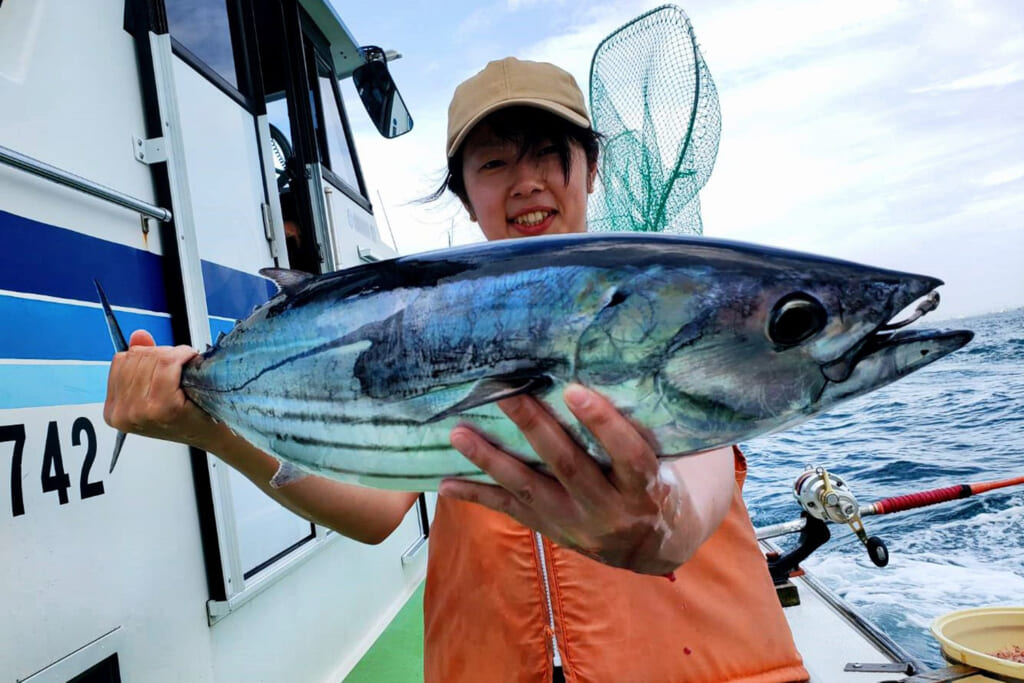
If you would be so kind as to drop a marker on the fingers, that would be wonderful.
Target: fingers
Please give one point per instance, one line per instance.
(494, 497)
(141, 338)
(573, 467)
(143, 389)
(165, 383)
(522, 482)
(634, 463)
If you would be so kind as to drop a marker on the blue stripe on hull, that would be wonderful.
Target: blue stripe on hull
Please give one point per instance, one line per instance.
(35, 386)
(219, 326)
(37, 258)
(233, 294)
(46, 260)
(49, 330)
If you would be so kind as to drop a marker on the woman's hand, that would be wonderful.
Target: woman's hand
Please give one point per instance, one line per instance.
(144, 394)
(638, 515)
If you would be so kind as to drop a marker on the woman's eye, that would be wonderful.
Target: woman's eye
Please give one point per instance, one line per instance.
(493, 163)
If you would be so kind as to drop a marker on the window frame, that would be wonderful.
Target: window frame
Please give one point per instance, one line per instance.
(317, 51)
(248, 93)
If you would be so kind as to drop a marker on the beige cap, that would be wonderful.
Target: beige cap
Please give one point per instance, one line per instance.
(512, 82)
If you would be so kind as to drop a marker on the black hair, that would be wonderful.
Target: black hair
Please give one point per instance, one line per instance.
(526, 128)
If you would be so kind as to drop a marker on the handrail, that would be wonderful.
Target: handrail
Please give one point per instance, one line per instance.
(44, 170)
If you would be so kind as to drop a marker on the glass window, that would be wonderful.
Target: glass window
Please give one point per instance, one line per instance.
(339, 153)
(203, 28)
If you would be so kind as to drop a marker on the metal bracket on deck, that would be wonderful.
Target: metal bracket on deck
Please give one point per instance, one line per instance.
(905, 668)
(149, 151)
(946, 675)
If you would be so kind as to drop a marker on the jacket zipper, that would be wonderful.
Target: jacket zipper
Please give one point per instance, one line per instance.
(556, 659)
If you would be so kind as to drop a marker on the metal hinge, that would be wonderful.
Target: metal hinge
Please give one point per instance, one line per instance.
(905, 668)
(151, 151)
(268, 229)
(413, 550)
(217, 610)
(367, 254)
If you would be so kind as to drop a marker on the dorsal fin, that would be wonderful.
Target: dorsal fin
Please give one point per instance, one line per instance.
(286, 280)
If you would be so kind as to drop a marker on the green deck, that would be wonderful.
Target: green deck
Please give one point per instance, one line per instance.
(397, 655)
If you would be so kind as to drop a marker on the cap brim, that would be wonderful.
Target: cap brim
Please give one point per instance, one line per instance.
(553, 107)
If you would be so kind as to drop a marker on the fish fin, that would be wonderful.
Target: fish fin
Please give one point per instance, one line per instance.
(286, 280)
(117, 338)
(286, 474)
(118, 443)
(115, 330)
(494, 389)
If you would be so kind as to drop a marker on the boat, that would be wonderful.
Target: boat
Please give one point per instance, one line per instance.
(173, 155)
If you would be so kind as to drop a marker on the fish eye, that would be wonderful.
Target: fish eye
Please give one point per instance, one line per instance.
(796, 318)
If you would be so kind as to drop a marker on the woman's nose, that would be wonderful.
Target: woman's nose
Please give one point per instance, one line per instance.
(528, 178)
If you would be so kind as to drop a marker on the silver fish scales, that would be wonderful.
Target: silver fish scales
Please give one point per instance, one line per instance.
(361, 374)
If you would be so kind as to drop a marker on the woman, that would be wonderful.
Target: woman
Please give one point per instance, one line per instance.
(585, 599)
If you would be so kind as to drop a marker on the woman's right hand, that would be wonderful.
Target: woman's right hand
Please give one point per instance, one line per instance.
(144, 394)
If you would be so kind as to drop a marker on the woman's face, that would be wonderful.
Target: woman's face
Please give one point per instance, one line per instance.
(522, 197)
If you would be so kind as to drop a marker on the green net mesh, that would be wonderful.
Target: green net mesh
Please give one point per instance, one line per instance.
(652, 97)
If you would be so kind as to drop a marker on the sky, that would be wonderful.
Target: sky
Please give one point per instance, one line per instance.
(889, 133)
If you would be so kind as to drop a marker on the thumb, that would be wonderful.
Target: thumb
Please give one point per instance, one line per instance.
(141, 338)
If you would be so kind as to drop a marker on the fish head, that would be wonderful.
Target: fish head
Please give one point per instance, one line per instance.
(753, 340)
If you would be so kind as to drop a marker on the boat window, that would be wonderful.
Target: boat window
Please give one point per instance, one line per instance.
(204, 29)
(339, 156)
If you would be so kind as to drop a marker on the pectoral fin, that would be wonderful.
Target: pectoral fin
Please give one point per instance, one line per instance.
(494, 389)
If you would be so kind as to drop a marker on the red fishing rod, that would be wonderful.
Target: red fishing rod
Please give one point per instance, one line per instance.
(943, 495)
(825, 497)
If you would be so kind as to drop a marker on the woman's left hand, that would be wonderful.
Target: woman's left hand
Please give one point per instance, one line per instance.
(638, 515)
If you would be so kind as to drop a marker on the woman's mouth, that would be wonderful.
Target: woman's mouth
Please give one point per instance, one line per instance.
(533, 222)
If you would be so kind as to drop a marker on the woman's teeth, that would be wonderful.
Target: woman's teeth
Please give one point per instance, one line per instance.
(532, 218)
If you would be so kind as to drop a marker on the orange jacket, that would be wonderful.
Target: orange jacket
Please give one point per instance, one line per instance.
(486, 614)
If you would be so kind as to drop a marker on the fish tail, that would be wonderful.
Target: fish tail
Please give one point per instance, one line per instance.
(117, 338)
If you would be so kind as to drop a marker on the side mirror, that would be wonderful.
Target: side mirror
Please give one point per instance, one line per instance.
(380, 95)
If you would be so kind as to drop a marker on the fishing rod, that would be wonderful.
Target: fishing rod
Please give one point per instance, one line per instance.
(826, 498)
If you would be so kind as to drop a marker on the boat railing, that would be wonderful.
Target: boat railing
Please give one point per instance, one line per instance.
(57, 175)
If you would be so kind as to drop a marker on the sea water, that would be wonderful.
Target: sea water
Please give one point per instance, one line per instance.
(959, 420)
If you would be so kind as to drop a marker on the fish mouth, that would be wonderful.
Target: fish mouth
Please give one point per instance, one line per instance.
(889, 352)
(889, 356)
(928, 346)
(912, 288)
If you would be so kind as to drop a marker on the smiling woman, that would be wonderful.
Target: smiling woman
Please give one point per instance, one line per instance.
(521, 145)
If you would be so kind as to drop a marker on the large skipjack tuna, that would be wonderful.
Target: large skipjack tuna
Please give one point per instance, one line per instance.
(361, 374)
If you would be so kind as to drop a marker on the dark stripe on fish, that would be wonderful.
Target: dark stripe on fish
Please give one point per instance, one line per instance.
(380, 421)
(324, 443)
(363, 473)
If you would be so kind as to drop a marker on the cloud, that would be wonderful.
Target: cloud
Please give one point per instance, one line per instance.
(477, 22)
(990, 78)
(516, 5)
(1003, 175)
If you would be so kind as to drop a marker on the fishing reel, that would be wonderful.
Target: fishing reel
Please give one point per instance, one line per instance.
(826, 497)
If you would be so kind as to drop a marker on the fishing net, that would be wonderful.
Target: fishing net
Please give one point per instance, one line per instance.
(652, 97)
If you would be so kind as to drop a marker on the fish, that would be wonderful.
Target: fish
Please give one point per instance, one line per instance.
(360, 374)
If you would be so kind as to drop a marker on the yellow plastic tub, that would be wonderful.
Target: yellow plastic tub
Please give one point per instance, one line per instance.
(971, 636)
